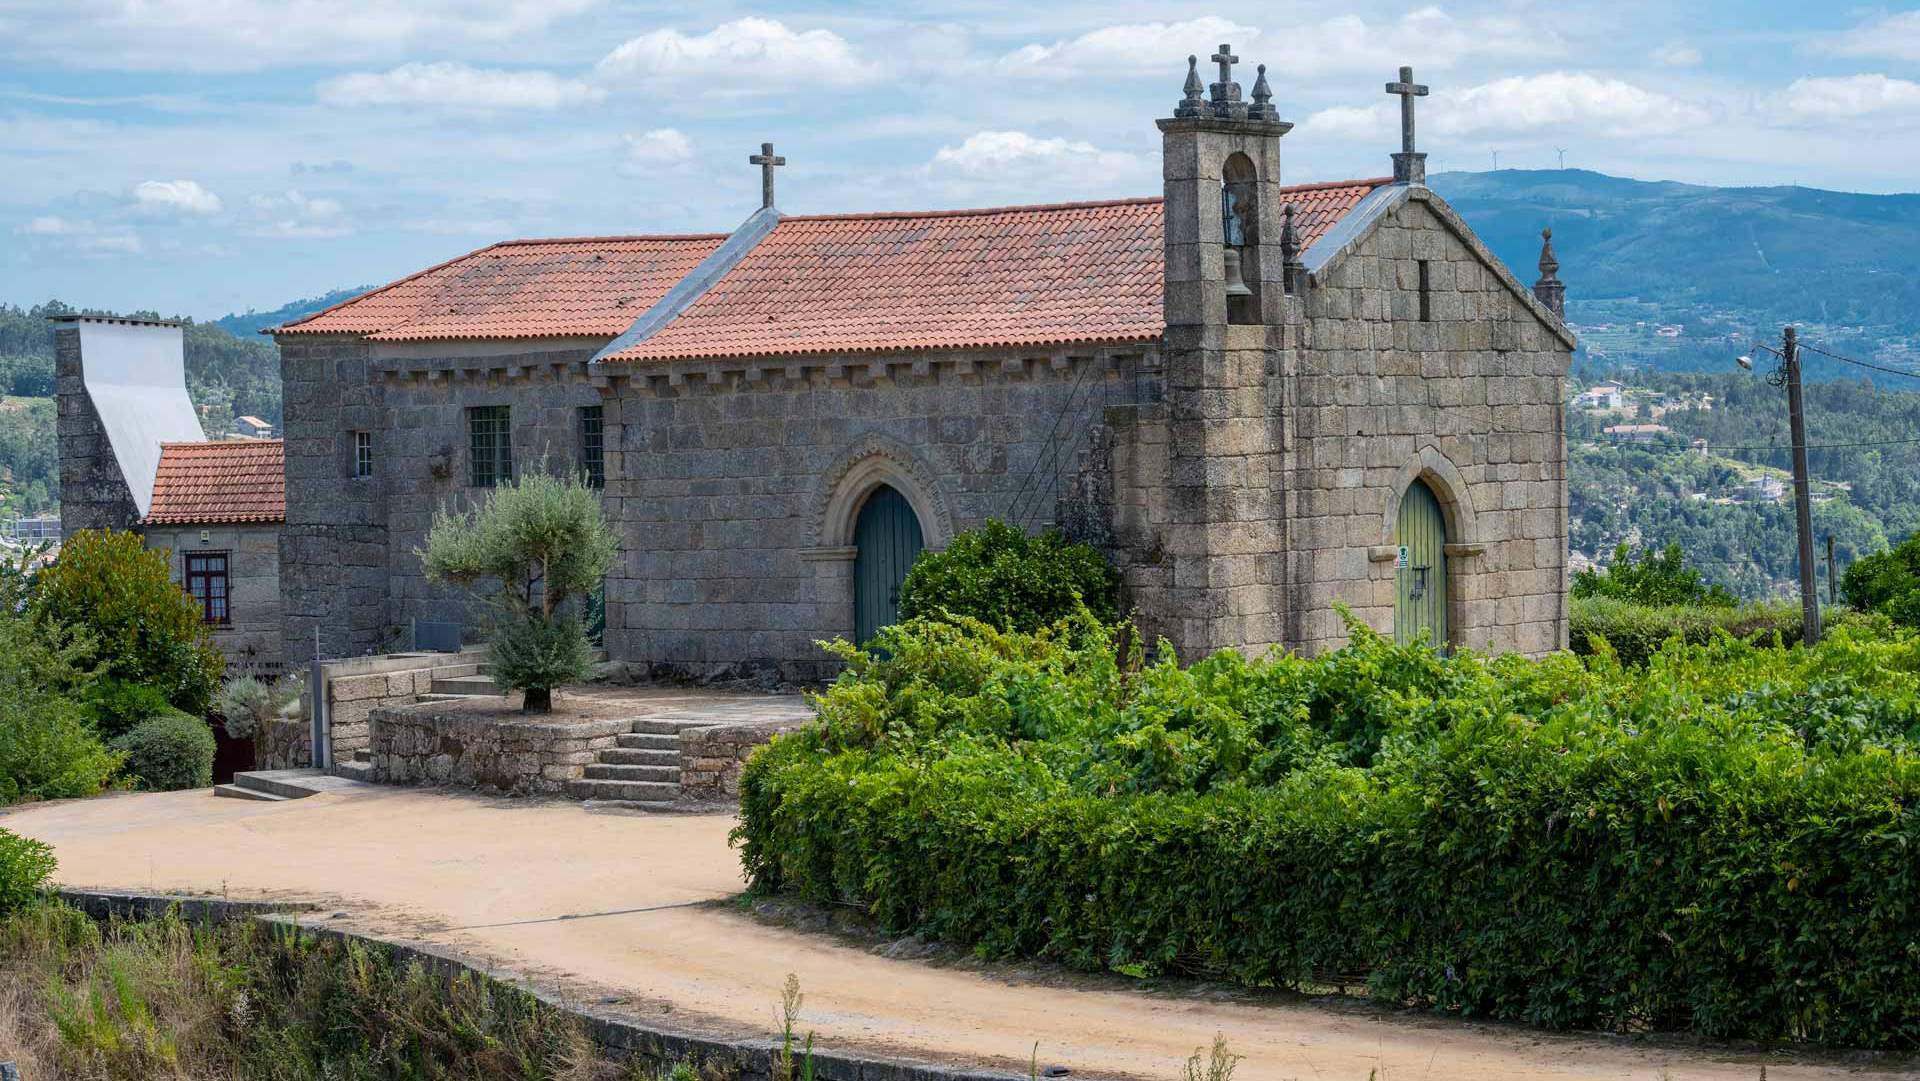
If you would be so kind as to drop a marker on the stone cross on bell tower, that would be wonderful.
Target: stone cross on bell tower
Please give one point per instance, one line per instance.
(1226, 93)
(767, 161)
(1409, 166)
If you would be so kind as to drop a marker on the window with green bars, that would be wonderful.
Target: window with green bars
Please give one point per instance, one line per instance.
(593, 453)
(490, 441)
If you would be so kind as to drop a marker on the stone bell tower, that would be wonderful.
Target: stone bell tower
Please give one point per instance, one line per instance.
(1228, 270)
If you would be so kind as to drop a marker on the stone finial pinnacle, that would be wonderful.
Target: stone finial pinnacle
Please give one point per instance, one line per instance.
(1550, 290)
(1191, 104)
(1293, 271)
(1262, 108)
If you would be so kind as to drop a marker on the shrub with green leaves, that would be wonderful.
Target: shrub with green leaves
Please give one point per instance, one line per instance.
(25, 866)
(532, 550)
(48, 748)
(169, 752)
(1001, 576)
(1636, 632)
(1660, 577)
(1726, 840)
(1887, 583)
(110, 593)
(116, 705)
(245, 703)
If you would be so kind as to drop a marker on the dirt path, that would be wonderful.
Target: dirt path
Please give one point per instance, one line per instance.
(493, 877)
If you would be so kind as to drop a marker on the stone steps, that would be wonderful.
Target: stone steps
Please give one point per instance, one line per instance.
(640, 756)
(478, 683)
(272, 785)
(649, 741)
(627, 791)
(234, 791)
(610, 771)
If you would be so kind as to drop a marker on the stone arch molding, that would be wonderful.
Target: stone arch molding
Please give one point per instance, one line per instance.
(1448, 486)
(871, 462)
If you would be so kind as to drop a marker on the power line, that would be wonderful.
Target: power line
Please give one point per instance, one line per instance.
(1860, 363)
(1769, 447)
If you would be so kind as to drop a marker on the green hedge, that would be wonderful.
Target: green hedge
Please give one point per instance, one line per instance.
(1002, 576)
(1726, 841)
(25, 865)
(169, 752)
(1637, 631)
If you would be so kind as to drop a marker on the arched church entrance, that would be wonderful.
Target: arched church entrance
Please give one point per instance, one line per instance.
(1420, 596)
(887, 539)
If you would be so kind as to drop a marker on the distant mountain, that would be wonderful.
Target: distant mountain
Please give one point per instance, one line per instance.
(251, 322)
(1724, 263)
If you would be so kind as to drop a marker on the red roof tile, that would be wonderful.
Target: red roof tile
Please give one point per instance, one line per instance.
(1013, 276)
(212, 483)
(1016, 276)
(589, 287)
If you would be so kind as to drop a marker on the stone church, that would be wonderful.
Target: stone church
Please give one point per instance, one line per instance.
(1259, 398)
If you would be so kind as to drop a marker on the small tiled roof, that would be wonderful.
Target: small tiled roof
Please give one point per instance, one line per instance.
(965, 279)
(214, 483)
(575, 287)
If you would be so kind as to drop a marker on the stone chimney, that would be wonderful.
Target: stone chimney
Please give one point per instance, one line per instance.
(1549, 290)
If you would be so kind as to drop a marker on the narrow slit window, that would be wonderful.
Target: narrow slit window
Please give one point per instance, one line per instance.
(490, 444)
(593, 454)
(207, 584)
(1426, 294)
(363, 454)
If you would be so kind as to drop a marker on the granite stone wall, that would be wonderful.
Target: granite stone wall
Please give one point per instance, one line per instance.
(93, 491)
(432, 744)
(250, 640)
(735, 487)
(711, 757)
(1266, 488)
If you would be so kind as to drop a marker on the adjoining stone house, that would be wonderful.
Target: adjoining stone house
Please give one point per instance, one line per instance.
(1260, 399)
(133, 457)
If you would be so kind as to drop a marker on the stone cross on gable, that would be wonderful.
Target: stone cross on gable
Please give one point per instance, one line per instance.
(767, 161)
(1409, 166)
(1226, 93)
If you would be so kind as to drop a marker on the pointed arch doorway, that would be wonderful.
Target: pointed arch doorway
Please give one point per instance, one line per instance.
(1420, 593)
(887, 539)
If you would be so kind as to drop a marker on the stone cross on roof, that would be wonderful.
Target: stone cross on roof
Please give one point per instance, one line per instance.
(1226, 93)
(1409, 166)
(766, 160)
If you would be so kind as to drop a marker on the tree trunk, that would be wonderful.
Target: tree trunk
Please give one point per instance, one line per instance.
(537, 700)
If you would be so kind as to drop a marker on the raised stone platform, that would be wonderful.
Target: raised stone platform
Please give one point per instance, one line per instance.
(440, 743)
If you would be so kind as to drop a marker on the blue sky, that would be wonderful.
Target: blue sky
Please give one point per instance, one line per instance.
(205, 156)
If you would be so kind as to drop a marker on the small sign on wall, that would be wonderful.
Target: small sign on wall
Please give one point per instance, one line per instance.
(1404, 559)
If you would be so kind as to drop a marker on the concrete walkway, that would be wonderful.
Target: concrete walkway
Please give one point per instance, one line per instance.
(618, 904)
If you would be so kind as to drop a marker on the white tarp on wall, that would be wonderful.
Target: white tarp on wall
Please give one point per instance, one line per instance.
(136, 374)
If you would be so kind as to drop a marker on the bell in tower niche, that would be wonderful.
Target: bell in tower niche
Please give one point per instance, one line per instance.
(1233, 238)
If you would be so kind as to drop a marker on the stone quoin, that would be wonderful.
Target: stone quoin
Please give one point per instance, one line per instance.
(1367, 410)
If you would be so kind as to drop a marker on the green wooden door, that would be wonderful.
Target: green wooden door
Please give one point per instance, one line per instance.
(1420, 598)
(887, 538)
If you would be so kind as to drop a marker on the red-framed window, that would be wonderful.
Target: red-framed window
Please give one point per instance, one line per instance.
(206, 583)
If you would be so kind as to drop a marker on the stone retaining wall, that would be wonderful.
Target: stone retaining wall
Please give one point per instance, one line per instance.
(283, 743)
(430, 745)
(358, 686)
(710, 758)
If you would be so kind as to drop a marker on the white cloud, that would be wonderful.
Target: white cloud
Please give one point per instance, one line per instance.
(657, 148)
(458, 86)
(1676, 55)
(294, 214)
(180, 196)
(996, 153)
(1894, 37)
(740, 56)
(85, 237)
(248, 35)
(1850, 97)
(1574, 103)
(1299, 49)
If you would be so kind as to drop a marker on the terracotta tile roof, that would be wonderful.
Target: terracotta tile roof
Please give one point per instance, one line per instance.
(1015, 276)
(585, 286)
(211, 483)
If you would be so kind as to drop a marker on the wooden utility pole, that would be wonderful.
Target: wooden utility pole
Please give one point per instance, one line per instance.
(1802, 496)
(1832, 581)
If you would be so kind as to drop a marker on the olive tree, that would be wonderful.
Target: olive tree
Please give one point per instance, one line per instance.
(531, 550)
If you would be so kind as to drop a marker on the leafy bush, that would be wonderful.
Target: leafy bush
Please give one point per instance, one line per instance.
(25, 865)
(544, 541)
(1726, 841)
(1887, 583)
(1001, 576)
(1660, 578)
(116, 705)
(110, 592)
(1637, 631)
(48, 750)
(169, 752)
(245, 703)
